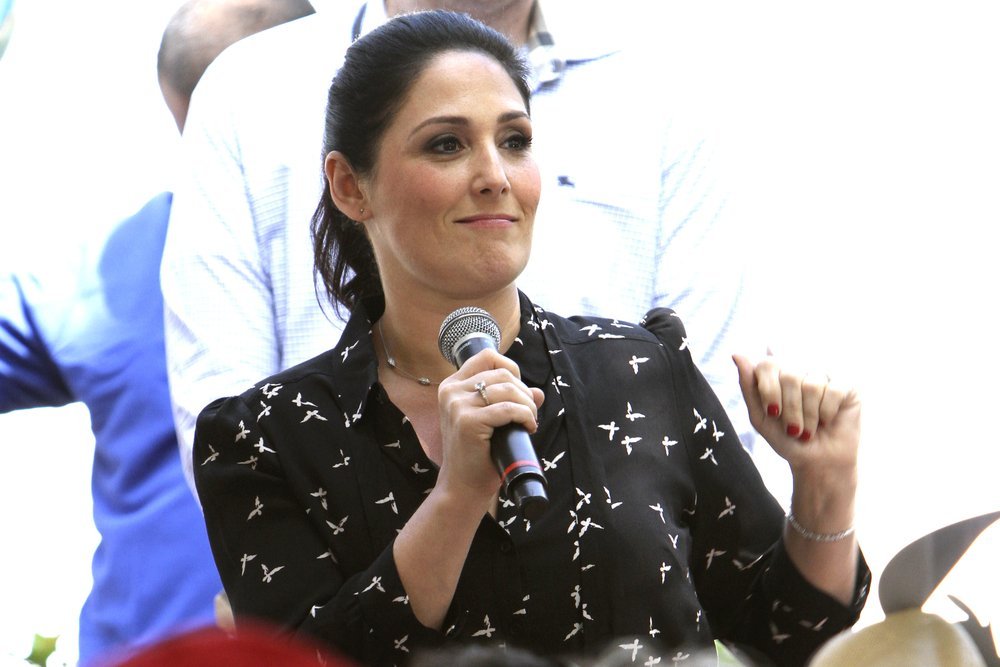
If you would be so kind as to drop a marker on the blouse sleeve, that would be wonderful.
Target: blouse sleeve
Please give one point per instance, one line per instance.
(751, 591)
(278, 558)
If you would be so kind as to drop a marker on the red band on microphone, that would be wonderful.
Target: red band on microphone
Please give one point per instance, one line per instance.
(518, 464)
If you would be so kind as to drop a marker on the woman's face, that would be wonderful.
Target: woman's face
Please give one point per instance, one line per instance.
(454, 189)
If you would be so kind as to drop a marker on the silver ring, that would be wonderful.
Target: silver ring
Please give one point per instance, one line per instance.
(481, 388)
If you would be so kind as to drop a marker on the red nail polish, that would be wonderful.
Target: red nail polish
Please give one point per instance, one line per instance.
(806, 436)
(793, 430)
(773, 409)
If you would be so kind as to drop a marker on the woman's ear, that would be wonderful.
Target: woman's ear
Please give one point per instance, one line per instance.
(345, 187)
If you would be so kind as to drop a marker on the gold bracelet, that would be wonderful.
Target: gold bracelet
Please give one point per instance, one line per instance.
(817, 537)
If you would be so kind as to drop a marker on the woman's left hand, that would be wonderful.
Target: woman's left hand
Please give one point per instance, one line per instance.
(810, 421)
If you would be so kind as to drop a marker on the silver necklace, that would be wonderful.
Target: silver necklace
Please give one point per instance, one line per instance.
(391, 362)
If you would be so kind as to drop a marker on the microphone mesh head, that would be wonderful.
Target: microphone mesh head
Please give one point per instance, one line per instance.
(461, 323)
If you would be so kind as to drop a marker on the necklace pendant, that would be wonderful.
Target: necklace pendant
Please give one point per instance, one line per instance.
(424, 381)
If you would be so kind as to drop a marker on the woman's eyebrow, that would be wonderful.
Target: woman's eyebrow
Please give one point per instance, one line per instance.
(462, 120)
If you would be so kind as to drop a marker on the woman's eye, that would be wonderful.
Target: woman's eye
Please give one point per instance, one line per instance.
(517, 142)
(446, 145)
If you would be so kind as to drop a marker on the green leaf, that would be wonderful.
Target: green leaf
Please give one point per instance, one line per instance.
(41, 649)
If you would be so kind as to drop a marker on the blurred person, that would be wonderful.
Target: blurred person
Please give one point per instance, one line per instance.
(640, 224)
(353, 497)
(89, 327)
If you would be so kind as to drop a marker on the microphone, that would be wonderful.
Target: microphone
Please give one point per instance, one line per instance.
(464, 333)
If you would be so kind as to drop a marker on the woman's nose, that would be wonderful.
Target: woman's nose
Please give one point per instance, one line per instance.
(491, 173)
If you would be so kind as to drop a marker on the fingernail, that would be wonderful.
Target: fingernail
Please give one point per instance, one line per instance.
(793, 430)
(806, 436)
(773, 409)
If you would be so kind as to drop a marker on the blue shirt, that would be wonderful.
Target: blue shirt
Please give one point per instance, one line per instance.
(91, 330)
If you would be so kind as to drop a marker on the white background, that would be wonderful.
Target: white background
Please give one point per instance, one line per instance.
(864, 149)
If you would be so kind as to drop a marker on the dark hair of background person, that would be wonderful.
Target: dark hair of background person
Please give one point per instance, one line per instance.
(365, 96)
(201, 29)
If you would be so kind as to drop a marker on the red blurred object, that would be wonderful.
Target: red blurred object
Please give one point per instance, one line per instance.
(247, 647)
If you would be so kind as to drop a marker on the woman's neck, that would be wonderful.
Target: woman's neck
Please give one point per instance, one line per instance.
(409, 327)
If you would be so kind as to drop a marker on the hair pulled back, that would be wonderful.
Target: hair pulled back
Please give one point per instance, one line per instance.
(372, 85)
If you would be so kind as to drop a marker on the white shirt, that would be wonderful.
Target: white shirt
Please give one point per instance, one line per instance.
(630, 217)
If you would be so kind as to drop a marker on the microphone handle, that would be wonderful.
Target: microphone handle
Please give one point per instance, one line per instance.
(511, 449)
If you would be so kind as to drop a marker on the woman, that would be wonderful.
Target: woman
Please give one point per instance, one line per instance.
(353, 497)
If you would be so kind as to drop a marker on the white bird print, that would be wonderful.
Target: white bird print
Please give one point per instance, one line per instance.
(716, 433)
(619, 325)
(741, 566)
(628, 441)
(576, 596)
(659, 510)
(611, 429)
(585, 613)
(664, 568)
(376, 584)
(635, 361)
(634, 646)
(403, 599)
(652, 631)
(651, 660)
(776, 636)
(549, 465)
(243, 562)
(265, 412)
(243, 432)
(584, 499)
(680, 656)
(506, 524)
(357, 413)
(312, 413)
(701, 422)
(590, 329)
(389, 499)
(545, 323)
(346, 351)
(211, 457)
(709, 455)
(609, 336)
(695, 507)
(337, 528)
(587, 523)
(270, 390)
(577, 627)
(392, 445)
(252, 462)
(710, 556)
(576, 554)
(270, 573)
(684, 344)
(299, 402)
(557, 382)
(400, 644)
(321, 494)
(667, 444)
(258, 508)
(261, 447)
(417, 469)
(327, 554)
(345, 460)
(730, 508)
(614, 505)
(487, 630)
(632, 416)
(673, 539)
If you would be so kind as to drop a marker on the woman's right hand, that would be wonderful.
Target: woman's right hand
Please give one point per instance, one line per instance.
(468, 421)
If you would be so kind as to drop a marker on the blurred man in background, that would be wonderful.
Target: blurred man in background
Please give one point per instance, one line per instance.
(89, 327)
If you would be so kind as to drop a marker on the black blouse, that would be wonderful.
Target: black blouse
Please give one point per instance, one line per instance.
(660, 535)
